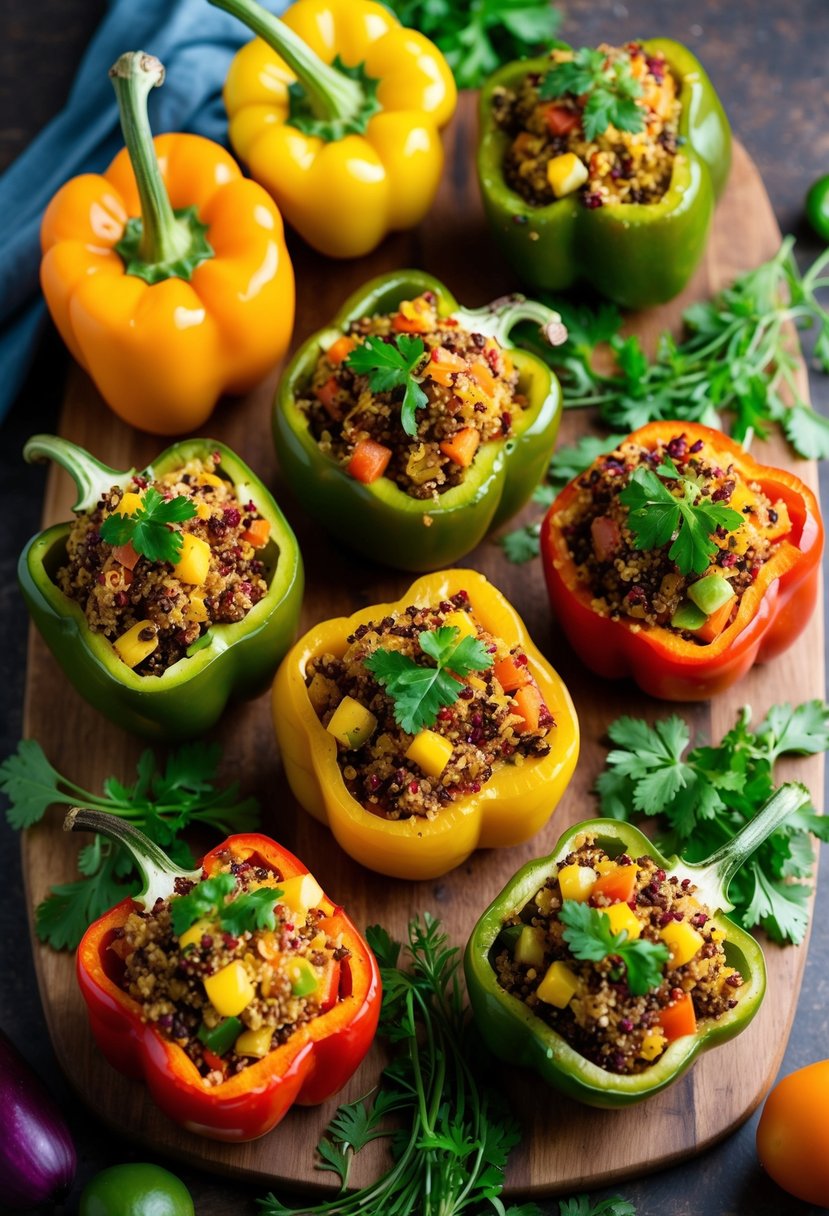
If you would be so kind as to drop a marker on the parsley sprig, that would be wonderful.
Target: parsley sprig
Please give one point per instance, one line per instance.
(591, 939)
(608, 85)
(703, 796)
(150, 527)
(393, 365)
(161, 802)
(418, 691)
(657, 516)
(249, 911)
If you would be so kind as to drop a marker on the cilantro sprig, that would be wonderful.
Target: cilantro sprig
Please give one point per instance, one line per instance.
(247, 912)
(393, 365)
(150, 527)
(591, 939)
(418, 691)
(657, 516)
(162, 802)
(608, 85)
(703, 796)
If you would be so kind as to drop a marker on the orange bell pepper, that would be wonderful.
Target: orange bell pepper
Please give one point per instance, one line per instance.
(167, 276)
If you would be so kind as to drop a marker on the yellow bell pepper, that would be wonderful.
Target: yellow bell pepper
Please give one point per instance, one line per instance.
(336, 109)
(510, 808)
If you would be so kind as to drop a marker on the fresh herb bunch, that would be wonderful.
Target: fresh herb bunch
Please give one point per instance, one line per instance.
(738, 358)
(477, 36)
(591, 939)
(581, 1206)
(656, 516)
(250, 911)
(391, 365)
(419, 692)
(608, 85)
(452, 1134)
(162, 803)
(704, 797)
(149, 528)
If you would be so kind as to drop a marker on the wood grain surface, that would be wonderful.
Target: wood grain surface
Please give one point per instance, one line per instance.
(566, 1147)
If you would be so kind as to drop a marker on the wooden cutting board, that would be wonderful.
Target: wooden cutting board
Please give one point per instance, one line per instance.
(566, 1147)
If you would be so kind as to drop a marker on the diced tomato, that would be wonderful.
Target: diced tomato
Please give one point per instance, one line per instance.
(560, 120)
(257, 533)
(328, 395)
(510, 675)
(679, 1018)
(463, 445)
(606, 536)
(126, 555)
(527, 703)
(617, 885)
(717, 621)
(212, 1060)
(369, 461)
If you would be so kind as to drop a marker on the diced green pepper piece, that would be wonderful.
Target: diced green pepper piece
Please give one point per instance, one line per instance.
(688, 616)
(303, 977)
(710, 593)
(221, 1038)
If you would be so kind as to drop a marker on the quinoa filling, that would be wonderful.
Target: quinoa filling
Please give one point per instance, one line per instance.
(499, 716)
(226, 998)
(645, 585)
(155, 611)
(589, 1003)
(554, 151)
(471, 397)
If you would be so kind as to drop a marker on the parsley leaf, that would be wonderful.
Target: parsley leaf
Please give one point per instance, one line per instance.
(608, 85)
(522, 544)
(392, 365)
(250, 911)
(247, 912)
(581, 1206)
(204, 900)
(419, 692)
(63, 917)
(656, 516)
(590, 938)
(149, 528)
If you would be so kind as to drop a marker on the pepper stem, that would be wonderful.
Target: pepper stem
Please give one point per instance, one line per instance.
(328, 100)
(498, 319)
(714, 875)
(92, 478)
(156, 869)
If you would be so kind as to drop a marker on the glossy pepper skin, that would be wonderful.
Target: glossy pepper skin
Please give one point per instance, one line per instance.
(516, 1035)
(512, 806)
(635, 254)
(337, 109)
(380, 520)
(202, 305)
(311, 1066)
(771, 613)
(236, 660)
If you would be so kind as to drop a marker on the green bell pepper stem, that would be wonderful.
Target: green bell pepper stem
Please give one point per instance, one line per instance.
(380, 520)
(159, 874)
(92, 477)
(498, 319)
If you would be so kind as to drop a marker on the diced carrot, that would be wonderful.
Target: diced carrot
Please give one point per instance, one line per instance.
(410, 325)
(340, 349)
(257, 533)
(509, 675)
(443, 365)
(463, 445)
(679, 1018)
(560, 120)
(414, 317)
(369, 461)
(527, 703)
(716, 622)
(617, 885)
(126, 555)
(328, 395)
(483, 377)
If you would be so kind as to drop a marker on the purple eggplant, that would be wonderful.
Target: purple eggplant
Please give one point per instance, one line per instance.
(37, 1156)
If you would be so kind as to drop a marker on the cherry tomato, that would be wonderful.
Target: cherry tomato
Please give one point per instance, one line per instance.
(817, 207)
(793, 1134)
(137, 1189)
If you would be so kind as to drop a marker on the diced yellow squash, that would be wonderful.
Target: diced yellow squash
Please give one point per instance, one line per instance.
(559, 986)
(229, 990)
(717, 935)
(193, 935)
(782, 525)
(300, 893)
(132, 648)
(196, 608)
(351, 723)
(194, 560)
(622, 917)
(430, 751)
(576, 882)
(682, 940)
(476, 682)
(604, 867)
(209, 479)
(463, 622)
(529, 949)
(203, 510)
(129, 504)
(254, 1042)
(653, 1044)
(566, 173)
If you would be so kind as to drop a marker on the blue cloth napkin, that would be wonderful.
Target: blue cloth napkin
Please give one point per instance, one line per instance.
(195, 42)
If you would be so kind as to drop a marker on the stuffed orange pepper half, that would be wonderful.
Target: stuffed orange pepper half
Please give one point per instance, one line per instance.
(337, 109)
(424, 729)
(680, 561)
(167, 276)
